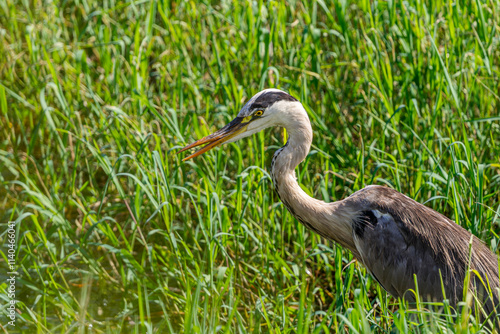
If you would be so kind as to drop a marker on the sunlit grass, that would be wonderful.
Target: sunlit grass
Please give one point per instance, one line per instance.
(116, 234)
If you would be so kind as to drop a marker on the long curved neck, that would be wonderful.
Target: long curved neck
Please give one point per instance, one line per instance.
(330, 220)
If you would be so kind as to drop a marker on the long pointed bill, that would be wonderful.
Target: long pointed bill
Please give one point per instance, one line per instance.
(234, 128)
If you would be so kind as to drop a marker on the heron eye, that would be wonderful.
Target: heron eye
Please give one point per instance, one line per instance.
(258, 113)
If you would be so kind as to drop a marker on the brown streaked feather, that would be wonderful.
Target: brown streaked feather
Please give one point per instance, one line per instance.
(418, 240)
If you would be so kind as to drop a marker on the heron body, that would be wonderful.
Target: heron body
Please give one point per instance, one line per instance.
(395, 237)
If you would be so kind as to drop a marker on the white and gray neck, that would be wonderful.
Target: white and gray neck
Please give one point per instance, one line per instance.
(330, 220)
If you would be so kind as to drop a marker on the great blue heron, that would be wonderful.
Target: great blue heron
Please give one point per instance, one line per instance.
(394, 236)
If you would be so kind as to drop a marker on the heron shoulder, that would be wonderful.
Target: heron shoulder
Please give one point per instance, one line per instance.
(414, 218)
(420, 227)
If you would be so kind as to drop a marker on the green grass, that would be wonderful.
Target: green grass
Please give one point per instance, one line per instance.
(116, 234)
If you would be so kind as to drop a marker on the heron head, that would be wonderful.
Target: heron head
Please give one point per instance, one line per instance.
(266, 108)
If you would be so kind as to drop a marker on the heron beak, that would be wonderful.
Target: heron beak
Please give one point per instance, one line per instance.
(237, 126)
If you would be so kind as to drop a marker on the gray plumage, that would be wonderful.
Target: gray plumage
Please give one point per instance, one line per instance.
(394, 236)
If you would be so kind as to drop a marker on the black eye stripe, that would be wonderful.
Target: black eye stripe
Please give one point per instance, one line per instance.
(267, 99)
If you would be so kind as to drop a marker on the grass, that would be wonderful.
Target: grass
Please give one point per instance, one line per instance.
(116, 234)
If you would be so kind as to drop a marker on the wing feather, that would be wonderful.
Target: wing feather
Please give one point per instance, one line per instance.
(397, 237)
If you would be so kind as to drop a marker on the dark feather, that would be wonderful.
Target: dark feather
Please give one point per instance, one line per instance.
(267, 99)
(432, 243)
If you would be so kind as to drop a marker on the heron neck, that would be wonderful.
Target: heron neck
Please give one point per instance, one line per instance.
(330, 220)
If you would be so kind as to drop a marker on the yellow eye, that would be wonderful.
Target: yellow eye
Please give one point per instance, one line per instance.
(258, 113)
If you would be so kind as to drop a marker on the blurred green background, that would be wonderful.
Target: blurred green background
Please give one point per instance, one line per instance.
(115, 234)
